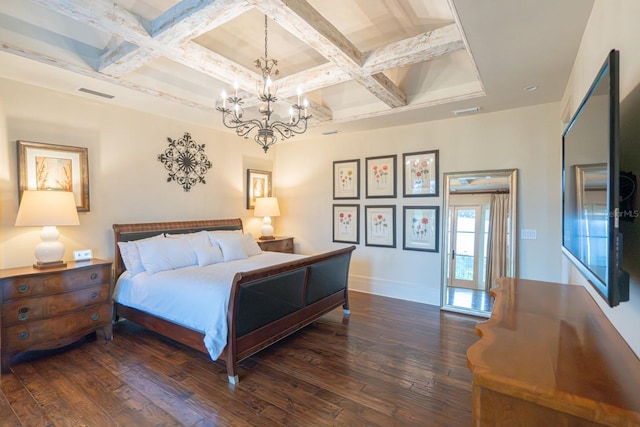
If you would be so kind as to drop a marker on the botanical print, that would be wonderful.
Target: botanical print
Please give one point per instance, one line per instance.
(420, 228)
(420, 175)
(345, 178)
(53, 173)
(379, 226)
(346, 219)
(381, 175)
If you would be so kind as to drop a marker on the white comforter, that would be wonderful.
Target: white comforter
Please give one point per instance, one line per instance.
(193, 297)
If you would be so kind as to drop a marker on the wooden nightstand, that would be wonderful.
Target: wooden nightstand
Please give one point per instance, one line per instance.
(45, 309)
(279, 244)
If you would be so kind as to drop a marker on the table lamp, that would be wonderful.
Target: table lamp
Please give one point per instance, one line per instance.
(48, 209)
(266, 207)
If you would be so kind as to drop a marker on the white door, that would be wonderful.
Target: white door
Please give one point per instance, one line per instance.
(465, 244)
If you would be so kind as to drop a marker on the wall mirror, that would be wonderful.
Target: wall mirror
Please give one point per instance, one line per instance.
(479, 237)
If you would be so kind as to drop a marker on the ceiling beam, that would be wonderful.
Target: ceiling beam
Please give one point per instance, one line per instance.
(305, 23)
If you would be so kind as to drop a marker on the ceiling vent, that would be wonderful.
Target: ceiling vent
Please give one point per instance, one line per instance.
(96, 93)
(466, 111)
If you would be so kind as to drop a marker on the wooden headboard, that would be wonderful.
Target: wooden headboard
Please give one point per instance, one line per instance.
(130, 232)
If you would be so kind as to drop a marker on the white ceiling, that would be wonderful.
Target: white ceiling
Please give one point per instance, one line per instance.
(362, 63)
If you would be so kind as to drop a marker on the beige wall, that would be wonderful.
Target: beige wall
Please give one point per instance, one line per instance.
(614, 25)
(127, 182)
(526, 139)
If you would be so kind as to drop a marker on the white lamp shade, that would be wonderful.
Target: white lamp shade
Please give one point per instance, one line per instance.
(267, 206)
(47, 208)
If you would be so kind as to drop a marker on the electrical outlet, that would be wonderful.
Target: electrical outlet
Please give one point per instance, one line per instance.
(82, 255)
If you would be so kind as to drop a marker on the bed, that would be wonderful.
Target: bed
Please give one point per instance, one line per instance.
(265, 296)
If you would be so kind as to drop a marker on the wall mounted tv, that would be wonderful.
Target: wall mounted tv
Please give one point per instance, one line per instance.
(590, 187)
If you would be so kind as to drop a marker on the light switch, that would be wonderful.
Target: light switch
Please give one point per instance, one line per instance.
(528, 234)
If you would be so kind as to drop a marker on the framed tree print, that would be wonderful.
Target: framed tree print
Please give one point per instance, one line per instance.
(258, 185)
(421, 225)
(54, 167)
(346, 223)
(346, 179)
(380, 227)
(420, 174)
(381, 177)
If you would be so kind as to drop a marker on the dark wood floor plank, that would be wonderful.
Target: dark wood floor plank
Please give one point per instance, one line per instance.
(391, 363)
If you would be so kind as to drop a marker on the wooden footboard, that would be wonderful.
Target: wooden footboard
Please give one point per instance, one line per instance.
(265, 305)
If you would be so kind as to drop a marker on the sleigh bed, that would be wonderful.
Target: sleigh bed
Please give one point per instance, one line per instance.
(265, 296)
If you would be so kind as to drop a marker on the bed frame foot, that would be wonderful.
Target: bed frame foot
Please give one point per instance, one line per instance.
(233, 379)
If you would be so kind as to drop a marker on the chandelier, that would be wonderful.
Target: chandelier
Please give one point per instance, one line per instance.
(267, 130)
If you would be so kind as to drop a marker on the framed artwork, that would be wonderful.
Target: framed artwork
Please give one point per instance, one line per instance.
(346, 179)
(381, 226)
(346, 223)
(381, 176)
(420, 174)
(54, 167)
(258, 185)
(421, 225)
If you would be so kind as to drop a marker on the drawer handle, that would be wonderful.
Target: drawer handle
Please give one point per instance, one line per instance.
(95, 316)
(94, 295)
(23, 313)
(23, 335)
(23, 288)
(94, 276)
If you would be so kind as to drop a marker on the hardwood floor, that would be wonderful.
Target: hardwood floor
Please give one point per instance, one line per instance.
(392, 362)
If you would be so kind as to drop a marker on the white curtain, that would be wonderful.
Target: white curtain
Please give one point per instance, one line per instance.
(497, 246)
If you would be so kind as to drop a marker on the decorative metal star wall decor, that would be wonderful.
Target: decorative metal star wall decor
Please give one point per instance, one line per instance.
(186, 162)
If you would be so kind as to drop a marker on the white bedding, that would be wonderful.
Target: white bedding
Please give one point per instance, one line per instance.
(193, 297)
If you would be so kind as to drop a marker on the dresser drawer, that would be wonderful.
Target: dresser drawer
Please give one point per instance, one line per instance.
(54, 282)
(53, 332)
(35, 308)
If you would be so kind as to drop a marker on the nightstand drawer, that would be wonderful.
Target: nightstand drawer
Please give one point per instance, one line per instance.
(54, 282)
(46, 333)
(35, 308)
(279, 244)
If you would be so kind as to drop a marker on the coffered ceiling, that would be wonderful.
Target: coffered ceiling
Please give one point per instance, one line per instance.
(361, 63)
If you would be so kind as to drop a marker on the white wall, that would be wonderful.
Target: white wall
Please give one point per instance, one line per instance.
(127, 182)
(527, 139)
(614, 25)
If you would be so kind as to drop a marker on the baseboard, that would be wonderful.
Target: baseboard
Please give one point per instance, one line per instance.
(417, 292)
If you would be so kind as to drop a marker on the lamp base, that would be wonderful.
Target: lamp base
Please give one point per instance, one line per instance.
(46, 265)
(266, 238)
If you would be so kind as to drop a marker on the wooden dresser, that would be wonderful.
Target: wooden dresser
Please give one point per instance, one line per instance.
(548, 356)
(279, 244)
(44, 309)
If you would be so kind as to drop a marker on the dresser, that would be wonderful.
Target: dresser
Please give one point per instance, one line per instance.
(45, 309)
(549, 357)
(278, 244)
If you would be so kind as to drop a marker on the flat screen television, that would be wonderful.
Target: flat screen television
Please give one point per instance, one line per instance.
(591, 238)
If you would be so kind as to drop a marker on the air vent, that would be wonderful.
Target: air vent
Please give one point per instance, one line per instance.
(466, 111)
(96, 93)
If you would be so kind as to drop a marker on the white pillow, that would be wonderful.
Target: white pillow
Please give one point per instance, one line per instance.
(250, 245)
(197, 240)
(209, 255)
(166, 254)
(131, 255)
(232, 247)
(214, 234)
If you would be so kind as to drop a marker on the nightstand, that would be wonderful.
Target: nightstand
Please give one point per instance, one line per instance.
(45, 309)
(279, 244)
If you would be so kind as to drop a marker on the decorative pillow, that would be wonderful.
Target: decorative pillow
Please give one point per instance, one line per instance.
(166, 254)
(250, 245)
(197, 240)
(232, 247)
(131, 255)
(209, 255)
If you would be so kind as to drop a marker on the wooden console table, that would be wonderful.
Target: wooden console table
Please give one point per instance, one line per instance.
(548, 356)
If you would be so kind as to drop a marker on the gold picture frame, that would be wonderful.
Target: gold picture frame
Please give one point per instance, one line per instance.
(54, 167)
(258, 185)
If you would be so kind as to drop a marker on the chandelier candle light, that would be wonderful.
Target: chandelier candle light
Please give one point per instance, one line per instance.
(267, 131)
